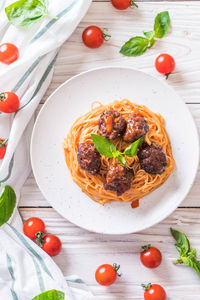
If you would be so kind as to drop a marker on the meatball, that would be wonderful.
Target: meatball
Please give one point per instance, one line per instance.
(137, 126)
(89, 158)
(118, 179)
(111, 124)
(152, 159)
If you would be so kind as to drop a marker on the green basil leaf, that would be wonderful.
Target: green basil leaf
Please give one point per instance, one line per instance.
(26, 12)
(103, 145)
(187, 256)
(192, 254)
(149, 34)
(7, 204)
(136, 46)
(162, 24)
(151, 43)
(183, 244)
(122, 160)
(131, 150)
(50, 295)
(192, 263)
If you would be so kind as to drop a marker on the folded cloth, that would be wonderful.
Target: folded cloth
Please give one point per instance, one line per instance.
(25, 270)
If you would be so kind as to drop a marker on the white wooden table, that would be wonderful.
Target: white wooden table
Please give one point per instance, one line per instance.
(83, 251)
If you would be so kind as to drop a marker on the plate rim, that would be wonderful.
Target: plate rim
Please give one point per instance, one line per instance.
(172, 207)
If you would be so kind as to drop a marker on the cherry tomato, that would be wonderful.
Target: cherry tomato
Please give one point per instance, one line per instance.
(93, 36)
(52, 245)
(9, 102)
(123, 4)
(3, 146)
(165, 64)
(8, 53)
(107, 274)
(151, 257)
(33, 226)
(154, 292)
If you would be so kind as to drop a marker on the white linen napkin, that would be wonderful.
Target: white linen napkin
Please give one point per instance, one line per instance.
(25, 269)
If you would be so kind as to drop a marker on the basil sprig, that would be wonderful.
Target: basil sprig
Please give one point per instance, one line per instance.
(50, 295)
(161, 24)
(103, 145)
(137, 45)
(188, 256)
(131, 150)
(26, 12)
(108, 149)
(7, 204)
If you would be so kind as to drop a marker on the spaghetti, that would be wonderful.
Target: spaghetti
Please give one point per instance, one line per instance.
(142, 183)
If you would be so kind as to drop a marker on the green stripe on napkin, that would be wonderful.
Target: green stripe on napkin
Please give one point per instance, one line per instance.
(29, 247)
(10, 268)
(52, 22)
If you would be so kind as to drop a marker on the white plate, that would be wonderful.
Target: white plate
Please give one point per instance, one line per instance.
(73, 99)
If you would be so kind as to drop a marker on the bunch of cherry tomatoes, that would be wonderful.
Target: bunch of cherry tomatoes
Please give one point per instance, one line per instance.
(150, 257)
(9, 102)
(34, 228)
(106, 274)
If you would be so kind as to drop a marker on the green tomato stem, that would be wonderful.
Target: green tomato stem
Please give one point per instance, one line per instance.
(133, 4)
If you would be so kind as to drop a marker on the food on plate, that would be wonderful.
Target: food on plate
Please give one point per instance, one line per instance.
(151, 257)
(8, 53)
(51, 244)
(137, 127)
(165, 64)
(89, 158)
(93, 36)
(123, 170)
(188, 255)
(9, 102)
(3, 146)
(118, 179)
(106, 148)
(154, 292)
(135, 203)
(152, 158)
(107, 274)
(32, 226)
(123, 4)
(137, 45)
(111, 124)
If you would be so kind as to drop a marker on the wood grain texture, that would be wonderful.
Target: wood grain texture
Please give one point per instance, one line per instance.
(31, 195)
(183, 43)
(84, 251)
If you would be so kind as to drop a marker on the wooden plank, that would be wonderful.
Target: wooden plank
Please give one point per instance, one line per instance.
(31, 195)
(182, 43)
(84, 251)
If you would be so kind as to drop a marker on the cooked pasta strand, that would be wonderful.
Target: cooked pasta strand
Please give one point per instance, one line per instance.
(143, 183)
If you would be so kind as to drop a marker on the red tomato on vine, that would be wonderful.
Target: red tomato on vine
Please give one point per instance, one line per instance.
(107, 274)
(3, 146)
(93, 36)
(123, 4)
